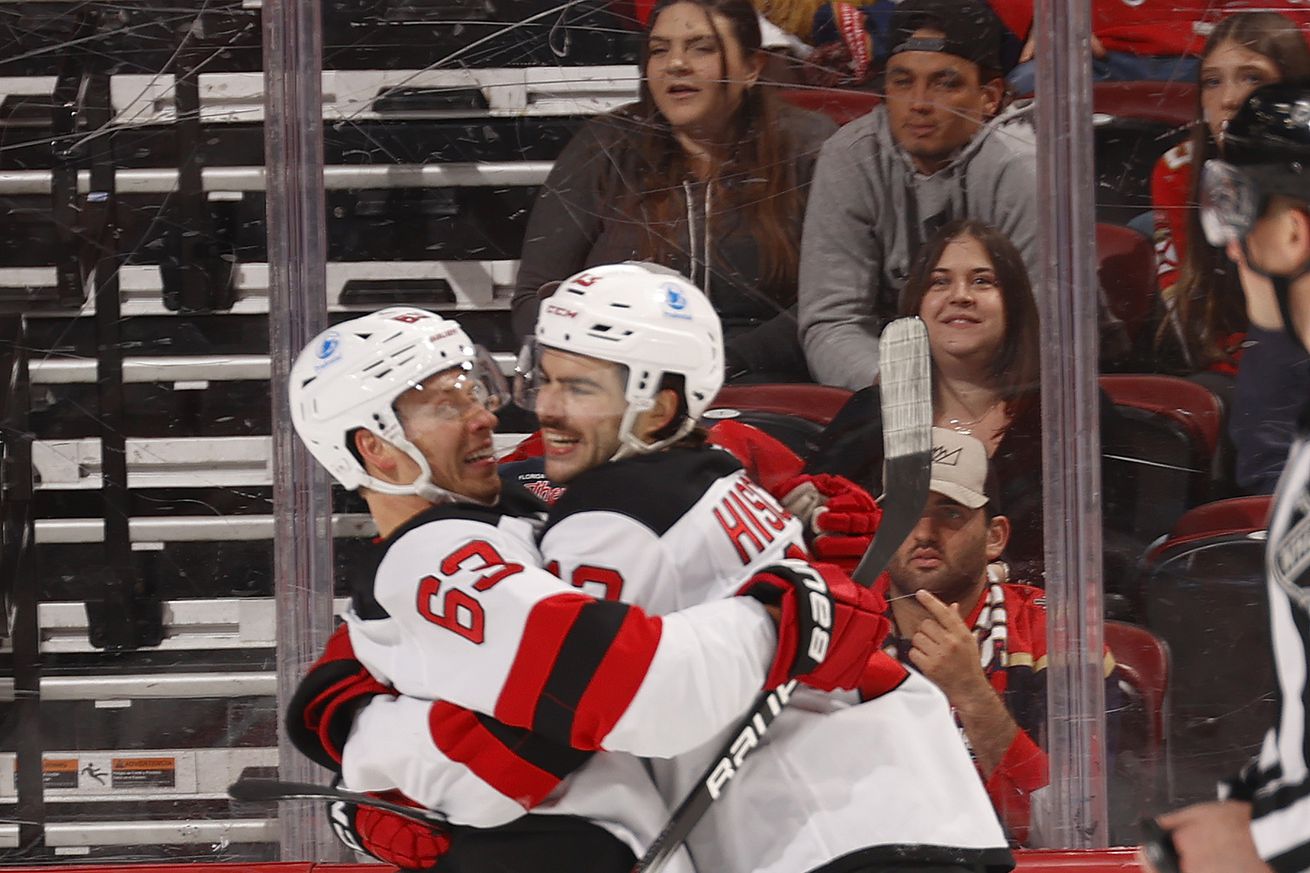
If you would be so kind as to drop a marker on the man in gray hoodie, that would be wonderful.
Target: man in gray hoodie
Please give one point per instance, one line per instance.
(935, 151)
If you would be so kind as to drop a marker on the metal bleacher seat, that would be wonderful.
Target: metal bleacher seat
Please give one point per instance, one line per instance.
(131, 178)
(1203, 592)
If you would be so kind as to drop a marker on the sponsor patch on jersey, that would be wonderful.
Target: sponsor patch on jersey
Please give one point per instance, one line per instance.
(675, 302)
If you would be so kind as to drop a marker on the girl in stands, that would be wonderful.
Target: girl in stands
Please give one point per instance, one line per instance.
(971, 289)
(707, 174)
(1206, 320)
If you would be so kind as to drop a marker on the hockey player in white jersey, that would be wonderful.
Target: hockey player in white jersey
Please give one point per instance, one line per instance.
(626, 360)
(652, 516)
(1255, 201)
(462, 621)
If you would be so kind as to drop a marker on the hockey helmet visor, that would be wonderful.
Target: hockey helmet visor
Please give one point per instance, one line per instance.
(575, 385)
(1231, 199)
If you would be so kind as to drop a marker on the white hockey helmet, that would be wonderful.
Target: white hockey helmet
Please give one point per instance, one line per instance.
(350, 375)
(650, 320)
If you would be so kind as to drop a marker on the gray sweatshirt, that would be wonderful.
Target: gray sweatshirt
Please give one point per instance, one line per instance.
(869, 213)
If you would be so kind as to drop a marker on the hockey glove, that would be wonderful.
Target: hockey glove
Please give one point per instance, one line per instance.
(392, 838)
(840, 516)
(323, 708)
(828, 628)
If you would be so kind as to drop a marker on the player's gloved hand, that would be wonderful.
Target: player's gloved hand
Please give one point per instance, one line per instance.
(323, 708)
(828, 628)
(395, 839)
(840, 516)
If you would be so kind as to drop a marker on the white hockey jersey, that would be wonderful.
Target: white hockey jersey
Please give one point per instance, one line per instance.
(1277, 782)
(459, 611)
(835, 781)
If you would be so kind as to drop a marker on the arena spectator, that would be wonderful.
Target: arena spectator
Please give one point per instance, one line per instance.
(1207, 318)
(1132, 40)
(936, 151)
(706, 174)
(972, 291)
(981, 640)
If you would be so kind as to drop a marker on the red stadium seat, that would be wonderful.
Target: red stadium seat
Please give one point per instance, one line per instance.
(1143, 659)
(790, 413)
(1172, 103)
(1190, 405)
(813, 403)
(1139, 770)
(1203, 592)
(1126, 269)
(839, 104)
(1158, 454)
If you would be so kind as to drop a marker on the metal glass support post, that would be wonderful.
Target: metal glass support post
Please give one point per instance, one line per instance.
(1074, 816)
(297, 252)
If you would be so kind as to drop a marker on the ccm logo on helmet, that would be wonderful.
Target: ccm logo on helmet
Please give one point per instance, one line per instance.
(749, 738)
(561, 311)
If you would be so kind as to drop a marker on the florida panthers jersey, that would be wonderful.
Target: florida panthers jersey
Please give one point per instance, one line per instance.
(835, 780)
(1277, 782)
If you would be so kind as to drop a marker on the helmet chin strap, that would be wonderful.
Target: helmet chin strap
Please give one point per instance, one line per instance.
(630, 444)
(1282, 292)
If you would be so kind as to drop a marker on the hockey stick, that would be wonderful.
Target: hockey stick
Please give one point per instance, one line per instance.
(257, 790)
(907, 448)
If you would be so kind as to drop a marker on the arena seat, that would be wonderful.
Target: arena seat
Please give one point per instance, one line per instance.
(1143, 659)
(815, 403)
(1126, 270)
(1172, 103)
(1158, 452)
(790, 413)
(1134, 123)
(839, 104)
(1211, 568)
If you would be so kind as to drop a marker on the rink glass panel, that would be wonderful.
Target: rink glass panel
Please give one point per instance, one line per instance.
(131, 146)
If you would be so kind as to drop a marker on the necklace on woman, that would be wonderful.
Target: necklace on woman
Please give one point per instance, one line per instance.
(966, 427)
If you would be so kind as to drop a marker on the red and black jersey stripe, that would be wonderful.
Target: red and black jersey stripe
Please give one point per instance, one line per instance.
(578, 667)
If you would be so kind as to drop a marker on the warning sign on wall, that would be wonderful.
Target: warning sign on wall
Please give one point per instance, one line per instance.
(55, 773)
(143, 773)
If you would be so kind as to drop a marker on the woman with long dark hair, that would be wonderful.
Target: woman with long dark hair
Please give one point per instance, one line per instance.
(1205, 315)
(707, 174)
(970, 287)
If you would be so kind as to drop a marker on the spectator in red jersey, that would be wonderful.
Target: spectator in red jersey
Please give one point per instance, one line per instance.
(1205, 326)
(978, 637)
(1197, 282)
(1132, 40)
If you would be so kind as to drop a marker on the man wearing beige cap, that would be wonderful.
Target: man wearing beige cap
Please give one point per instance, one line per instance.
(979, 638)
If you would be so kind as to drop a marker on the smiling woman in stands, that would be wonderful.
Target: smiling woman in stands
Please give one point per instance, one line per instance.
(970, 287)
(706, 174)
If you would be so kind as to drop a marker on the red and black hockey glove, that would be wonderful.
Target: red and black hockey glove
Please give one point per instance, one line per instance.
(408, 843)
(323, 708)
(829, 627)
(841, 517)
